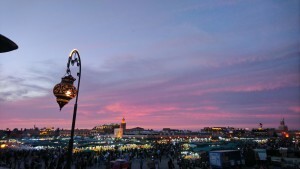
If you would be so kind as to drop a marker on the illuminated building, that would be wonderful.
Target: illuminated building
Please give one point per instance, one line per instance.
(118, 132)
(47, 131)
(215, 131)
(77, 132)
(123, 124)
(105, 129)
(263, 132)
(283, 129)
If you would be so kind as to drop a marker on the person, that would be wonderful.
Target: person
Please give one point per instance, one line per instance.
(179, 163)
(170, 164)
(156, 163)
(141, 163)
(151, 164)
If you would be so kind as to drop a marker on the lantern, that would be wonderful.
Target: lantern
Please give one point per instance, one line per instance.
(65, 90)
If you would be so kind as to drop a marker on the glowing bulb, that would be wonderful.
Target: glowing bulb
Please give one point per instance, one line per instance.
(68, 93)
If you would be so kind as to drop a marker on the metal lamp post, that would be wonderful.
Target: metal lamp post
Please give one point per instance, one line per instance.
(65, 91)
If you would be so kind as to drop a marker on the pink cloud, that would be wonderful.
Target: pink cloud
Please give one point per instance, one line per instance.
(39, 122)
(281, 82)
(131, 111)
(295, 109)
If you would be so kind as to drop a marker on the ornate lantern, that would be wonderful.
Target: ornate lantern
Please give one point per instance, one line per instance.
(65, 90)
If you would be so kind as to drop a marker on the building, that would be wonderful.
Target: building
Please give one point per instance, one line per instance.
(47, 132)
(123, 124)
(215, 131)
(169, 131)
(282, 127)
(134, 131)
(118, 132)
(263, 132)
(105, 129)
(77, 132)
(32, 132)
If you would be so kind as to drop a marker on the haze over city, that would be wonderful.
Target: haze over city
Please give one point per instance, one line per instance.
(177, 64)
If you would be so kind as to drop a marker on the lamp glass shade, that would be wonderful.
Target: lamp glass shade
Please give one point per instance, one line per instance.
(65, 91)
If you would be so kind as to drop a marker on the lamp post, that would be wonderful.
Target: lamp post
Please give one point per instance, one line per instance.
(65, 91)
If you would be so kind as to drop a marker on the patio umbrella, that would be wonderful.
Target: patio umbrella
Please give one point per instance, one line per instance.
(6, 44)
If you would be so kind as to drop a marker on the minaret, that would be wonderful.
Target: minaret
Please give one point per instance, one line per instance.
(282, 126)
(282, 122)
(122, 129)
(123, 124)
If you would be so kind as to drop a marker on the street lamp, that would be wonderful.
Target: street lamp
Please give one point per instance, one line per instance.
(65, 91)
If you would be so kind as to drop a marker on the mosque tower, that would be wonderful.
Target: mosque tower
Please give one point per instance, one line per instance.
(282, 126)
(123, 124)
(120, 131)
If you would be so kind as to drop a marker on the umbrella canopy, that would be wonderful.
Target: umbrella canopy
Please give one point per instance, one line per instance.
(6, 44)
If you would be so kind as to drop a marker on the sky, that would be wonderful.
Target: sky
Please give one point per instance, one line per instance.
(159, 64)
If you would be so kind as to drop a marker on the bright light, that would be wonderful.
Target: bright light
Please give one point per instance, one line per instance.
(68, 93)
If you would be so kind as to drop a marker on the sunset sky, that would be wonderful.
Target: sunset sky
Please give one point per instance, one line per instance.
(159, 63)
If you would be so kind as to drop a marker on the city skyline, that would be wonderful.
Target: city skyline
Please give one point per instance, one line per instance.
(183, 65)
(259, 126)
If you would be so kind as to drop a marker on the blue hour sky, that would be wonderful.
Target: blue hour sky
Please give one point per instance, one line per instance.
(178, 64)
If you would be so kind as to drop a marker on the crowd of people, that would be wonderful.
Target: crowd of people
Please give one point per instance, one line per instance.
(56, 158)
(114, 159)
